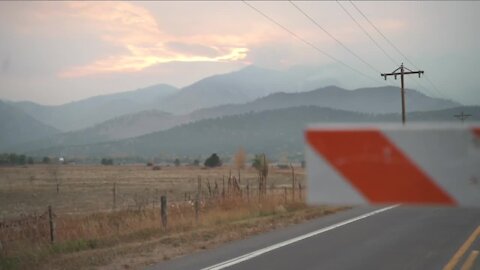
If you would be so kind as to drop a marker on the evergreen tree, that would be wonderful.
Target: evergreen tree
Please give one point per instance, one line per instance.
(213, 161)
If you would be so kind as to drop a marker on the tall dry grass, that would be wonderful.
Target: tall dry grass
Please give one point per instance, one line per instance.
(29, 244)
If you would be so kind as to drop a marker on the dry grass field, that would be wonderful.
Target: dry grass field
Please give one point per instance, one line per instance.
(90, 233)
(84, 189)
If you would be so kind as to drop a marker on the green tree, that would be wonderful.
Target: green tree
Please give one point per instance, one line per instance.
(46, 160)
(12, 159)
(22, 159)
(176, 162)
(213, 161)
(107, 161)
(30, 160)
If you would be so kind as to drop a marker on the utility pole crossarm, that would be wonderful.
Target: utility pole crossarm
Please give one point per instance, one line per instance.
(404, 73)
(462, 116)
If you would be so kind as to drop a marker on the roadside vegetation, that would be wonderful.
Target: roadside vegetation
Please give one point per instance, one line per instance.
(109, 217)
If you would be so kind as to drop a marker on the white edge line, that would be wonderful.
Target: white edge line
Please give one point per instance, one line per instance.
(259, 252)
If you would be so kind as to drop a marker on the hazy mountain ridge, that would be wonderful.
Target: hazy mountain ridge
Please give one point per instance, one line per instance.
(367, 100)
(136, 124)
(260, 88)
(18, 127)
(122, 127)
(88, 112)
(244, 85)
(274, 132)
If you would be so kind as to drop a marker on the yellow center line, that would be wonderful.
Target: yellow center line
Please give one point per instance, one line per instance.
(459, 254)
(470, 260)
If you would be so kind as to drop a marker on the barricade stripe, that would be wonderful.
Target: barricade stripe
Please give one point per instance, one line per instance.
(476, 131)
(376, 167)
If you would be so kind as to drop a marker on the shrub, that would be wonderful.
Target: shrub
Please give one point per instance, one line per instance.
(107, 161)
(213, 161)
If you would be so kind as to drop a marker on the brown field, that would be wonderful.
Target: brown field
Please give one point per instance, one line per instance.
(84, 189)
(90, 233)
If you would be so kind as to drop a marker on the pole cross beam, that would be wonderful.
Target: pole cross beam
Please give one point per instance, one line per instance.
(402, 71)
(462, 116)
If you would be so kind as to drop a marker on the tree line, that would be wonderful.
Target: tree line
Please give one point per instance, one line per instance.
(14, 159)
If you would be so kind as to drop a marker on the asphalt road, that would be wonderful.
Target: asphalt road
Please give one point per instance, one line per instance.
(398, 238)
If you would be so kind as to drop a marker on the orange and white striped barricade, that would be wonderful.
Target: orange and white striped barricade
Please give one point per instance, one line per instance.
(381, 164)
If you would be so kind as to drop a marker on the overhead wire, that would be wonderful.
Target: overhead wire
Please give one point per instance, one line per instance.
(397, 49)
(308, 43)
(367, 34)
(378, 45)
(333, 37)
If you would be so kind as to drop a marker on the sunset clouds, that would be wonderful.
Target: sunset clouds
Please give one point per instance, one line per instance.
(135, 29)
(55, 52)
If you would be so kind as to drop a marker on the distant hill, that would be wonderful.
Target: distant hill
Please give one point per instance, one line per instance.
(232, 93)
(241, 86)
(121, 127)
(367, 100)
(88, 112)
(17, 127)
(274, 132)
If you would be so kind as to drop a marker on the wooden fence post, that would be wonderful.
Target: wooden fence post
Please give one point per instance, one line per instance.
(163, 211)
(114, 193)
(199, 187)
(197, 206)
(293, 183)
(223, 187)
(300, 191)
(248, 190)
(285, 194)
(58, 188)
(51, 222)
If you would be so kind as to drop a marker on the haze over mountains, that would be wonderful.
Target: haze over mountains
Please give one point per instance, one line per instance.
(18, 127)
(84, 113)
(275, 132)
(244, 93)
(236, 87)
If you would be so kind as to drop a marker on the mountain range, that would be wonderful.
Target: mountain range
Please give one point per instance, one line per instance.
(236, 87)
(85, 113)
(162, 107)
(365, 100)
(274, 132)
(17, 127)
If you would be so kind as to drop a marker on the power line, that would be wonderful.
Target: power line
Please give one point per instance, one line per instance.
(396, 48)
(307, 42)
(377, 44)
(367, 34)
(333, 37)
(389, 42)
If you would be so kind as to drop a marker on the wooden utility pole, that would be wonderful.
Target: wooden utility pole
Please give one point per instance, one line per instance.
(402, 71)
(462, 116)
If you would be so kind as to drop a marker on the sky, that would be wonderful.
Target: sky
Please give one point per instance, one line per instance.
(57, 52)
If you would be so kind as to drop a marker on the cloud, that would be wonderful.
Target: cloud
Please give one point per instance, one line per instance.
(191, 49)
(135, 29)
